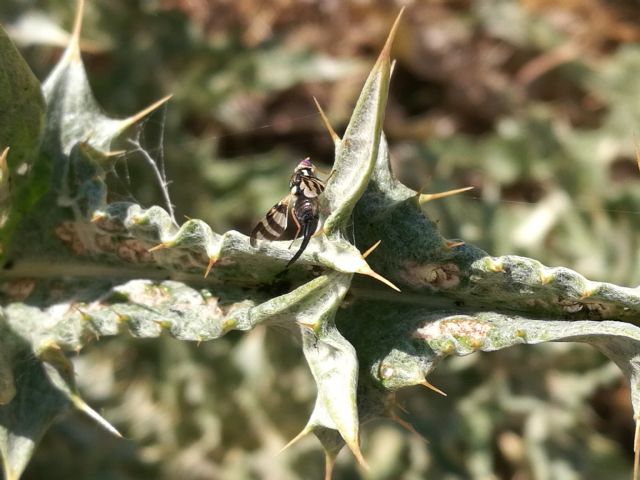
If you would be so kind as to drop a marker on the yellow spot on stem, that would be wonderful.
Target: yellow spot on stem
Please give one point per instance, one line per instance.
(49, 345)
(496, 267)
(586, 294)
(120, 318)
(84, 315)
(228, 324)
(545, 278)
(311, 326)
(164, 324)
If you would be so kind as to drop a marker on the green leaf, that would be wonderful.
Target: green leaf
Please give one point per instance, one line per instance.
(22, 107)
(113, 261)
(73, 114)
(25, 419)
(460, 334)
(23, 177)
(357, 152)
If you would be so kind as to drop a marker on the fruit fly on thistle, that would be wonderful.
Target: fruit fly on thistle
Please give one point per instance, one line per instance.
(301, 205)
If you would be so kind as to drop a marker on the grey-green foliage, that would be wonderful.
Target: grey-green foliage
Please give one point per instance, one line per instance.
(78, 267)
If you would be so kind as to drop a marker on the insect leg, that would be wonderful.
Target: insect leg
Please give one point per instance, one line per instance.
(298, 227)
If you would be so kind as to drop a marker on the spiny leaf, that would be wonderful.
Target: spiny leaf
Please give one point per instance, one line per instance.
(385, 341)
(448, 334)
(73, 114)
(357, 152)
(334, 367)
(24, 175)
(22, 107)
(25, 419)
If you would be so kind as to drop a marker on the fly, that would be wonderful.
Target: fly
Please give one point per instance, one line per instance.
(301, 205)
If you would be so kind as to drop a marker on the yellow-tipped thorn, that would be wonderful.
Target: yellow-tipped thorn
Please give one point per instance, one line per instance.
(449, 244)
(407, 426)
(636, 450)
(160, 246)
(334, 136)
(392, 68)
(85, 316)
(49, 345)
(97, 216)
(310, 326)
(127, 122)
(295, 439)
(402, 408)
(74, 42)
(355, 449)
(638, 155)
(432, 387)
(369, 272)
(371, 249)
(81, 405)
(329, 463)
(77, 23)
(212, 262)
(427, 197)
(392, 34)
(4, 168)
(115, 153)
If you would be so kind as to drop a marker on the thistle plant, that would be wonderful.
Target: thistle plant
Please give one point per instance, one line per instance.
(374, 315)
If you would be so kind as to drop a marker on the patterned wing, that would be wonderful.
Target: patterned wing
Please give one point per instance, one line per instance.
(311, 187)
(273, 225)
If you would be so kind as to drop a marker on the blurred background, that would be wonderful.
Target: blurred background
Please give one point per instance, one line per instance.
(535, 103)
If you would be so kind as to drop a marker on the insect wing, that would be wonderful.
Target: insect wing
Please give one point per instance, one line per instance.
(274, 224)
(311, 187)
